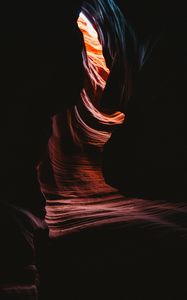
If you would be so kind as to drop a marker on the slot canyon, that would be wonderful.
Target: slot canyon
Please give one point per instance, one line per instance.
(93, 169)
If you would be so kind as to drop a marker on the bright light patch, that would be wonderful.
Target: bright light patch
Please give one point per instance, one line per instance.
(89, 26)
(93, 46)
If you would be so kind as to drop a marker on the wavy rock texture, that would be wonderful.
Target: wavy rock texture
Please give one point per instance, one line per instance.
(107, 246)
(78, 197)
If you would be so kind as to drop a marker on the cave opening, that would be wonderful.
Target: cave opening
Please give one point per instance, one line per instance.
(93, 47)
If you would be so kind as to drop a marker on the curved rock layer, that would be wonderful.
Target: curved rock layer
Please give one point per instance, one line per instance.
(77, 196)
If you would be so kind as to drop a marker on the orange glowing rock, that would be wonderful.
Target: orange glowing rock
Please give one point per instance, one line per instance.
(93, 46)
